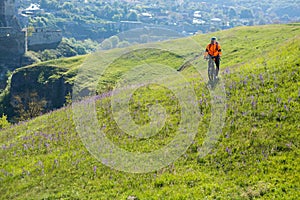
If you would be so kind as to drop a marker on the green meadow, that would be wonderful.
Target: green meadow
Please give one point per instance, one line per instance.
(255, 156)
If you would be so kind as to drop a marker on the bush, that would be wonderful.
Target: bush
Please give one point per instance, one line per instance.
(28, 106)
(3, 122)
(106, 44)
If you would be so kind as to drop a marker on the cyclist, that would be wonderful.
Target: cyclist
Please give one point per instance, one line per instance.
(214, 50)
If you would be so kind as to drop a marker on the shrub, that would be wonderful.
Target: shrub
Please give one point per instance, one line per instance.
(3, 122)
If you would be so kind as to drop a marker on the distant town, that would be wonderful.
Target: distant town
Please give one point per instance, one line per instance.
(98, 20)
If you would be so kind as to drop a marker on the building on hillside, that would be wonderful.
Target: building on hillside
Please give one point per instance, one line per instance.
(198, 21)
(127, 25)
(14, 40)
(146, 17)
(13, 43)
(197, 14)
(216, 21)
(32, 10)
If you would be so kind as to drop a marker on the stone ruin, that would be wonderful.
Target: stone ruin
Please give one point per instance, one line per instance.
(14, 41)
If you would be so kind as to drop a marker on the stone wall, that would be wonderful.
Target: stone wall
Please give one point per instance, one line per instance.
(42, 39)
(12, 42)
(13, 45)
(7, 14)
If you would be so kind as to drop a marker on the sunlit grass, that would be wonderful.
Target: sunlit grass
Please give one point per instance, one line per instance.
(257, 155)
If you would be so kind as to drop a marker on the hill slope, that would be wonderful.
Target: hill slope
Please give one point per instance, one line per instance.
(257, 155)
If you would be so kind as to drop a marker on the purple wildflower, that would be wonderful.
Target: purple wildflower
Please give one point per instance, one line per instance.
(200, 101)
(286, 108)
(261, 78)
(228, 150)
(253, 103)
(55, 164)
(227, 71)
(104, 161)
(278, 100)
(289, 145)
(245, 81)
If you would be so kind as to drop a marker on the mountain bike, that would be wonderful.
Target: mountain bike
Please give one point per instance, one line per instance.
(212, 72)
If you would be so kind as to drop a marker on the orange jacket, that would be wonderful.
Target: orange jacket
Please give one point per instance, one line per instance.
(213, 49)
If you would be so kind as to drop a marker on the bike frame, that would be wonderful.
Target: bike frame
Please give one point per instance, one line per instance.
(211, 68)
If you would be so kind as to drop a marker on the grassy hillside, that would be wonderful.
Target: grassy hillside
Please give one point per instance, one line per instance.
(257, 154)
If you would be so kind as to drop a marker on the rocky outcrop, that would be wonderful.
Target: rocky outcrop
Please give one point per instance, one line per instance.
(47, 82)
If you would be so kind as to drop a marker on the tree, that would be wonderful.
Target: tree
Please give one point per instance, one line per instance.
(246, 14)
(3, 122)
(80, 49)
(123, 44)
(30, 30)
(117, 17)
(114, 41)
(285, 18)
(132, 16)
(44, 3)
(107, 12)
(232, 13)
(48, 54)
(49, 4)
(262, 21)
(66, 49)
(68, 6)
(106, 44)
(28, 105)
(144, 38)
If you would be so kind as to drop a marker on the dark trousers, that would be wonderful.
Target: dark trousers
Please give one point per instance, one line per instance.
(217, 61)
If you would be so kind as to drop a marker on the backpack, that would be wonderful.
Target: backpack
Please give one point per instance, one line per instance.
(217, 46)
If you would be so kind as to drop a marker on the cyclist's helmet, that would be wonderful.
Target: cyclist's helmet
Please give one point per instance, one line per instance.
(213, 38)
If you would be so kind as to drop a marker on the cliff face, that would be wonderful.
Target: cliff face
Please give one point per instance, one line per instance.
(43, 86)
(47, 82)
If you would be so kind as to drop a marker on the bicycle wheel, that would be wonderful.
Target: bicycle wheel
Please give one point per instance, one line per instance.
(211, 70)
